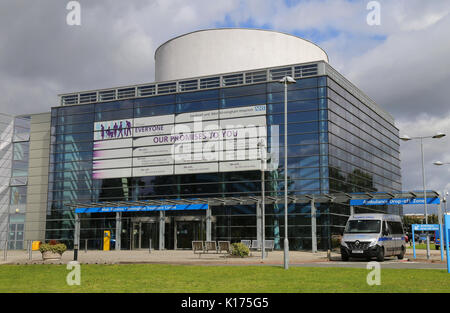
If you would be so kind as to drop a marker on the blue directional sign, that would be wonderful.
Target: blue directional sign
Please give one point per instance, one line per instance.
(400, 201)
(425, 227)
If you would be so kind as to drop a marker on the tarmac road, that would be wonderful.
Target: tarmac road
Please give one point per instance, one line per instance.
(391, 263)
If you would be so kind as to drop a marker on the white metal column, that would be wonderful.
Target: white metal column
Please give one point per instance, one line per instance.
(162, 229)
(208, 224)
(76, 235)
(118, 229)
(313, 227)
(258, 222)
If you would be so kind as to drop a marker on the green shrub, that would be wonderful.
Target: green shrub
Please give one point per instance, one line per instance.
(59, 248)
(239, 249)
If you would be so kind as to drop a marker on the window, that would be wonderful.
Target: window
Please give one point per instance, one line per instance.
(243, 101)
(243, 91)
(154, 110)
(76, 109)
(74, 119)
(154, 101)
(21, 151)
(294, 117)
(396, 228)
(114, 105)
(363, 226)
(113, 115)
(18, 195)
(302, 105)
(203, 105)
(197, 96)
(301, 94)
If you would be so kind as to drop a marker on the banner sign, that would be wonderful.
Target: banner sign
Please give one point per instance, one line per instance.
(147, 208)
(224, 140)
(394, 201)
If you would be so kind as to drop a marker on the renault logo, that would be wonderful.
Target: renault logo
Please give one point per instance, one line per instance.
(357, 242)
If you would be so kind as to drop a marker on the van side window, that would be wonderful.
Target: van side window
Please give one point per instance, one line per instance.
(396, 227)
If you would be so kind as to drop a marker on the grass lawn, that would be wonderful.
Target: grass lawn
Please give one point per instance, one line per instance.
(422, 246)
(221, 279)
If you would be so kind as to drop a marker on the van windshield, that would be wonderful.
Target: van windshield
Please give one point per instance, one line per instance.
(363, 226)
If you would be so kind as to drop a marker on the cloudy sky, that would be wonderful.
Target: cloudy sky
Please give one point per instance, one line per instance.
(402, 63)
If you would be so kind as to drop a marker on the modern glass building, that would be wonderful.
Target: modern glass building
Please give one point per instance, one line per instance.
(105, 147)
(14, 154)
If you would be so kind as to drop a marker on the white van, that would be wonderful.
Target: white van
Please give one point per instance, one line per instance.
(373, 235)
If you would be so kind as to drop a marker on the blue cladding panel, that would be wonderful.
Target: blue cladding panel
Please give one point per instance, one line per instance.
(177, 207)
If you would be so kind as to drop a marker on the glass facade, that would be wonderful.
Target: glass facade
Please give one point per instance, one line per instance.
(14, 154)
(19, 182)
(335, 144)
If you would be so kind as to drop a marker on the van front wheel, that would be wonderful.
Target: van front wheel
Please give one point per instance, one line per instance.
(344, 257)
(401, 255)
(380, 255)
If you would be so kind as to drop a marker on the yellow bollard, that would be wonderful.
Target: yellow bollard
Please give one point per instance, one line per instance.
(106, 240)
(35, 245)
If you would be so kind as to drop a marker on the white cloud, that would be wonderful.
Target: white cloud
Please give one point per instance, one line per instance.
(436, 177)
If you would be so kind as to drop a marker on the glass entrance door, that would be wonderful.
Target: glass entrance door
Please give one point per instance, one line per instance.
(142, 233)
(186, 232)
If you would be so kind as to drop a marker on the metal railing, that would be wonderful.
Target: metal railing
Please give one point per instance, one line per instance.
(192, 84)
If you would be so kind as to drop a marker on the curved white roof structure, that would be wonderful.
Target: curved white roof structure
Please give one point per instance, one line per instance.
(214, 51)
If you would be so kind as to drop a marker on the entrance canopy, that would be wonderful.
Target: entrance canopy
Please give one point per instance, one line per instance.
(142, 208)
(354, 199)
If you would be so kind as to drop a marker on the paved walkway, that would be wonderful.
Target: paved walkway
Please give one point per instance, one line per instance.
(188, 257)
(162, 257)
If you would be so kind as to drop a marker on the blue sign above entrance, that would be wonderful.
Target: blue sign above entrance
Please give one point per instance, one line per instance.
(394, 201)
(146, 208)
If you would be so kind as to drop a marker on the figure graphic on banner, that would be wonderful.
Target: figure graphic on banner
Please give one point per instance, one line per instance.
(115, 130)
(120, 130)
(128, 132)
(103, 131)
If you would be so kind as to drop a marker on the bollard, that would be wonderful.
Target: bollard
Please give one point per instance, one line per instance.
(30, 250)
(5, 250)
(150, 246)
(75, 252)
(85, 245)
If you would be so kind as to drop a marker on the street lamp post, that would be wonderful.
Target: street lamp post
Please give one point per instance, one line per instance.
(286, 81)
(445, 202)
(261, 145)
(407, 138)
(445, 195)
